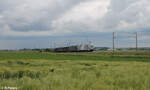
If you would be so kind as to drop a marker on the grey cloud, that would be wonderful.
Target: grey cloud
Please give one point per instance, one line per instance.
(73, 16)
(26, 15)
(127, 15)
(119, 5)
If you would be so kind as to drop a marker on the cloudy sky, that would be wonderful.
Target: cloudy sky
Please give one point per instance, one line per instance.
(39, 23)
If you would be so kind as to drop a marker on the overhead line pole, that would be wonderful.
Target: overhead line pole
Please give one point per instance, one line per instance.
(113, 42)
(136, 41)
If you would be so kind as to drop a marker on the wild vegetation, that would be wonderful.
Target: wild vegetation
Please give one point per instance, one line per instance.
(75, 71)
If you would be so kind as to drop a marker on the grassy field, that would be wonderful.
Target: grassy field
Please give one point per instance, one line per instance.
(75, 71)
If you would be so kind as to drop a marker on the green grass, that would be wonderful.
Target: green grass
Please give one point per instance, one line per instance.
(100, 56)
(75, 71)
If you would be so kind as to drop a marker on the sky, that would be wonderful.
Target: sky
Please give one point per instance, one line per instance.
(41, 23)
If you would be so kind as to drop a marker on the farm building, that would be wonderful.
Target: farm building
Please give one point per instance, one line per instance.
(75, 48)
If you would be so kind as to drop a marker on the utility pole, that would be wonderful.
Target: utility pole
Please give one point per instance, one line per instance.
(136, 41)
(113, 42)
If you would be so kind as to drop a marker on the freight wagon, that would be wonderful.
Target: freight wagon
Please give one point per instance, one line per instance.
(75, 48)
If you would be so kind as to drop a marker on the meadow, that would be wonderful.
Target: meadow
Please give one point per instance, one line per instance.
(99, 70)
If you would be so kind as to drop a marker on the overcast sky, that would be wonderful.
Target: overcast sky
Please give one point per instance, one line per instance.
(37, 23)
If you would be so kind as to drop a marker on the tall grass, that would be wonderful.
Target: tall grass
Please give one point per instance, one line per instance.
(75, 71)
(76, 75)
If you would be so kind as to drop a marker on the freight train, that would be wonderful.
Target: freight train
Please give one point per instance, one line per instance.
(75, 48)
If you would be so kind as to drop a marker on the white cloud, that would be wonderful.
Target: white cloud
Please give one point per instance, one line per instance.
(83, 16)
(56, 17)
(106, 16)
